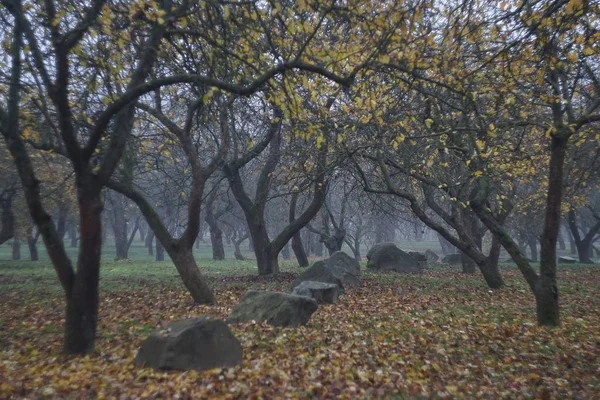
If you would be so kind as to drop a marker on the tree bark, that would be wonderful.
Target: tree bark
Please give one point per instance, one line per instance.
(16, 249)
(82, 299)
(184, 261)
(148, 242)
(73, 234)
(7, 217)
(582, 244)
(532, 243)
(119, 226)
(160, 252)
(546, 292)
(216, 233)
(236, 244)
(297, 246)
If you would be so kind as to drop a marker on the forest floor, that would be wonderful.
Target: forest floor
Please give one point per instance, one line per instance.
(438, 335)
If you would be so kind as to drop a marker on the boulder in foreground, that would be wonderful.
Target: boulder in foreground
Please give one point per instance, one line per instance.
(193, 344)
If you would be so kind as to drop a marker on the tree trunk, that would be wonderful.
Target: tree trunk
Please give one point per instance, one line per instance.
(7, 219)
(532, 243)
(16, 248)
(82, 299)
(298, 250)
(356, 249)
(266, 263)
(160, 252)
(317, 246)
(216, 241)
(546, 289)
(561, 241)
(468, 265)
(583, 244)
(236, 244)
(149, 240)
(120, 227)
(142, 232)
(572, 246)
(184, 261)
(73, 234)
(491, 274)
(447, 247)
(33, 250)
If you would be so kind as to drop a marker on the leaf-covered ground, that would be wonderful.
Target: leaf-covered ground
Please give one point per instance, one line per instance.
(440, 335)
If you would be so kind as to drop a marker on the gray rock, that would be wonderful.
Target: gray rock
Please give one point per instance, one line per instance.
(567, 260)
(339, 269)
(198, 344)
(279, 309)
(388, 257)
(344, 267)
(421, 258)
(321, 292)
(452, 259)
(432, 258)
(318, 272)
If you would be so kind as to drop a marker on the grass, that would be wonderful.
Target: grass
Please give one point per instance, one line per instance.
(437, 335)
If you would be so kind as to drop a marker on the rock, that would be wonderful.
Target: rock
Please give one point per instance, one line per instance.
(339, 269)
(198, 344)
(321, 292)
(279, 309)
(318, 272)
(567, 260)
(344, 267)
(420, 257)
(452, 259)
(388, 257)
(432, 258)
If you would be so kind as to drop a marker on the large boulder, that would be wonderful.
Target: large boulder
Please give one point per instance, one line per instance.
(198, 344)
(421, 258)
(452, 259)
(432, 258)
(388, 257)
(339, 269)
(318, 272)
(279, 309)
(321, 292)
(344, 267)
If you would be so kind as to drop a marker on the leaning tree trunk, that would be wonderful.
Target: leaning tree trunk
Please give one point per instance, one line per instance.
(267, 263)
(183, 258)
(298, 249)
(82, 298)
